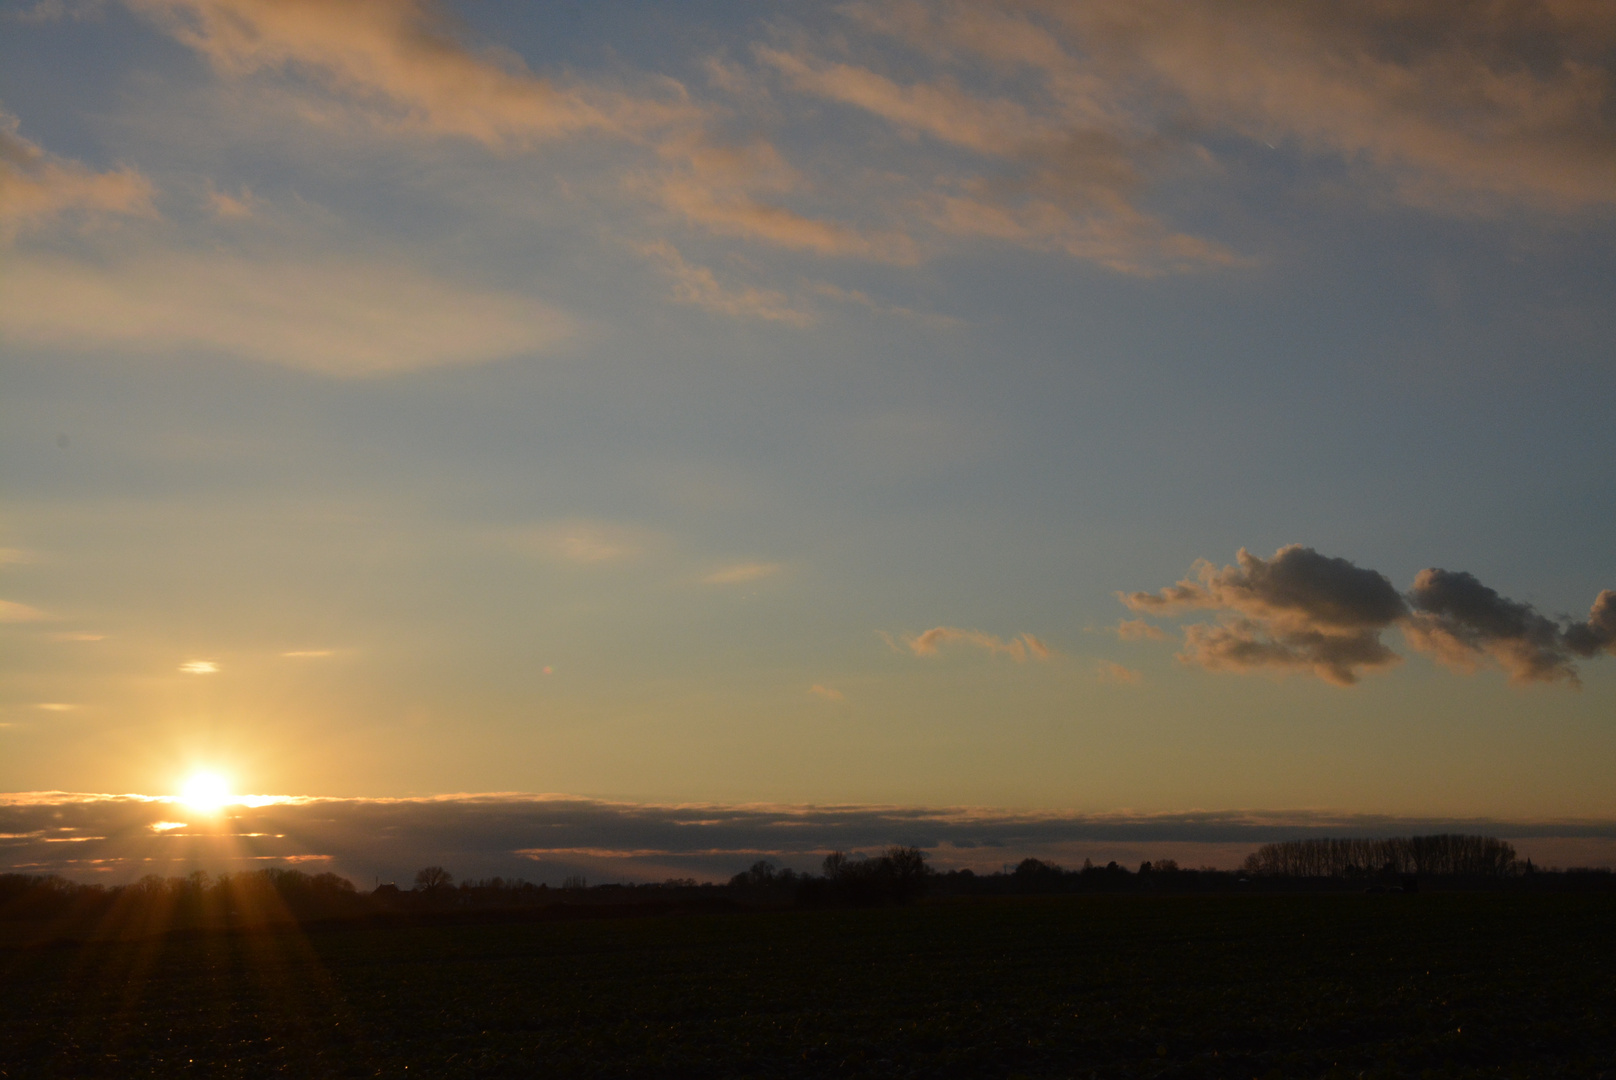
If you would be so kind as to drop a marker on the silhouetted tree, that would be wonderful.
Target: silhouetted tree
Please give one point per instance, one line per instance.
(898, 875)
(761, 873)
(433, 877)
(1035, 875)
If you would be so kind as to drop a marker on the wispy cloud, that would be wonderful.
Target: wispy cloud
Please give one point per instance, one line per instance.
(864, 299)
(740, 191)
(240, 205)
(37, 187)
(586, 541)
(1456, 107)
(1019, 648)
(1112, 672)
(402, 63)
(698, 285)
(199, 667)
(829, 693)
(1139, 630)
(13, 612)
(743, 573)
(340, 317)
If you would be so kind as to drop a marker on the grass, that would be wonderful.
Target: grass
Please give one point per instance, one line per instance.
(1285, 986)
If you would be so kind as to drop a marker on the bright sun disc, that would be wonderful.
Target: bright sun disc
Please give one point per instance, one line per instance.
(205, 791)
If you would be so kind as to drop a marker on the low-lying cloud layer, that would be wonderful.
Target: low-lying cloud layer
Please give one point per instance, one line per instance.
(1300, 610)
(551, 837)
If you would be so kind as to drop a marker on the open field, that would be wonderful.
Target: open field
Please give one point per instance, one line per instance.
(1438, 985)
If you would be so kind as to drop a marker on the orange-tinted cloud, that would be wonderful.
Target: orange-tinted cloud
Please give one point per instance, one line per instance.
(1016, 648)
(405, 63)
(739, 191)
(742, 573)
(1047, 125)
(1111, 672)
(402, 63)
(36, 186)
(11, 611)
(1139, 630)
(1460, 105)
(1075, 176)
(1079, 110)
(940, 110)
(338, 316)
(240, 205)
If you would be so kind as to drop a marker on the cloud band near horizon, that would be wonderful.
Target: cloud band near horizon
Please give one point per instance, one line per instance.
(113, 838)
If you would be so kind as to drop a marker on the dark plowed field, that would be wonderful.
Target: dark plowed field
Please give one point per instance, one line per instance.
(1297, 986)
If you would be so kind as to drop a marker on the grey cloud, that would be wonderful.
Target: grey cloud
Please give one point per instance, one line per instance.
(1461, 621)
(1300, 610)
(1599, 632)
(1296, 610)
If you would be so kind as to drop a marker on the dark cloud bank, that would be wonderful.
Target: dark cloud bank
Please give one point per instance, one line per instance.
(549, 838)
(1300, 610)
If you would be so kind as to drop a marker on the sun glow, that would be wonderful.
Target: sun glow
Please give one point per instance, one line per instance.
(205, 791)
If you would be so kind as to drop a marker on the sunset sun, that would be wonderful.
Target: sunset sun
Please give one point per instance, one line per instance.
(205, 791)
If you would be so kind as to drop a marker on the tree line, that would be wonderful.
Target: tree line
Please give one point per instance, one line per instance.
(898, 875)
(1443, 855)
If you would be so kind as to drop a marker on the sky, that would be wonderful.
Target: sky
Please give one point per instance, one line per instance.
(1097, 412)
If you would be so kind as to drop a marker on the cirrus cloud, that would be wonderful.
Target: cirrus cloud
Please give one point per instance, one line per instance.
(1018, 648)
